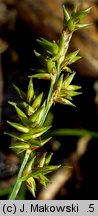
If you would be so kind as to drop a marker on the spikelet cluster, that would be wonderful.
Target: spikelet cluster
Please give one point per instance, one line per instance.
(33, 108)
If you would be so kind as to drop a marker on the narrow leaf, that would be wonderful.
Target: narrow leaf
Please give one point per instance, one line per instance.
(29, 165)
(68, 80)
(71, 25)
(71, 56)
(37, 102)
(31, 185)
(84, 13)
(66, 69)
(42, 160)
(59, 83)
(20, 92)
(36, 117)
(39, 142)
(73, 87)
(78, 26)
(66, 14)
(21, 115)
(64, 101)
(20, 145)
(72, 93)
(29, 110)
(35, 133)
(30, 92)
(41, 58)
(74, 132)
(38, 70)
(48, 159)
(14, 135)
(44, 76)
(19, 127)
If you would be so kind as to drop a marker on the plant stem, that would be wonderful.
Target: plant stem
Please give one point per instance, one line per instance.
(49, 101)
(58, 71)
(74, 132)
(50, 92)
(18, 182)
(48, 106)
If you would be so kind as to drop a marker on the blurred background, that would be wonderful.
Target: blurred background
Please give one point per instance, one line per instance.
(21, 23)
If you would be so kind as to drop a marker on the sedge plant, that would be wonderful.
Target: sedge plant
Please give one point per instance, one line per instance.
(33, 107)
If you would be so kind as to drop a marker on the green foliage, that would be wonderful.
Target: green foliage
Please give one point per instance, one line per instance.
(74, 132)
(72, 22)
(36, 169)
(33, 108)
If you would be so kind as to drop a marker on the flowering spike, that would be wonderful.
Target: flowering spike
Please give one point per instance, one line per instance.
(72, 22)
(32, 112)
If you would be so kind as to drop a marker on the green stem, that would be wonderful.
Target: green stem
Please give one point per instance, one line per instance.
(50, 92)
(18, 182)
(49, 103)
(58, 71)
(74, 132)
(48, 106)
